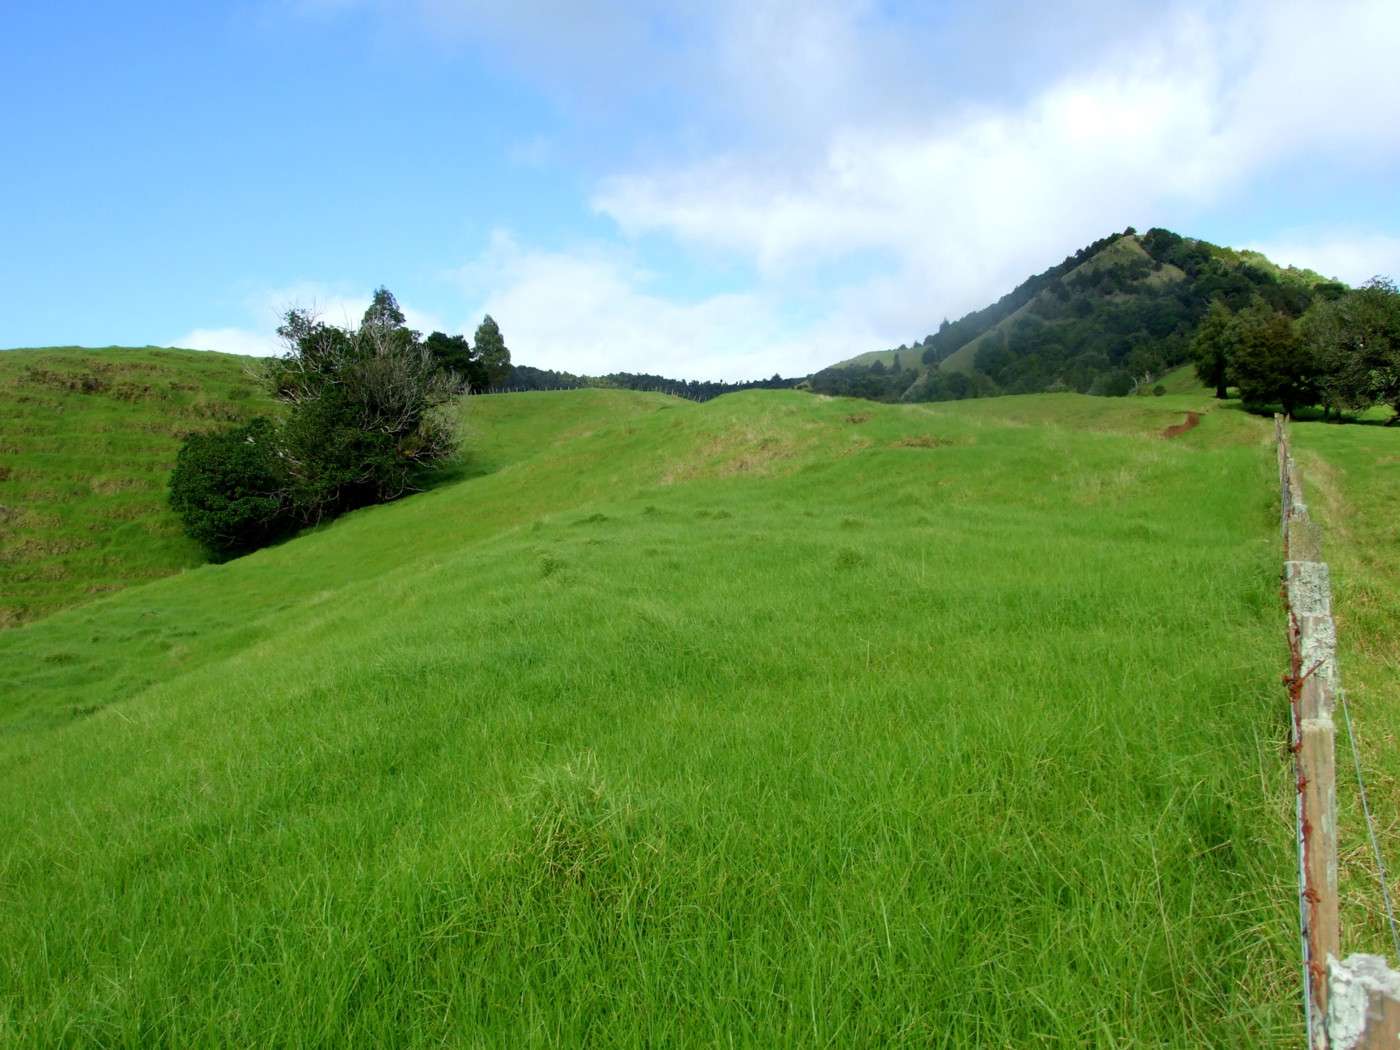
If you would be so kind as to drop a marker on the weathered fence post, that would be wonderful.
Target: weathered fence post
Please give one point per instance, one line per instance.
(1317, 783)
(1365, 1004)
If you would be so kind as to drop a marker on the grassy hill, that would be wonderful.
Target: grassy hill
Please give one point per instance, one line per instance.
(776, 720)
(87, 441)
(1118, 310)
(1184, 380)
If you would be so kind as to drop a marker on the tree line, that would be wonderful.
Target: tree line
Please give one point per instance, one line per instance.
(1342, 353)
(523, 377)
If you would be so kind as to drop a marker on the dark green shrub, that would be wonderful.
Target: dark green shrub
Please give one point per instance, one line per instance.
(1158, 390)
(363, 423)
(231, 490)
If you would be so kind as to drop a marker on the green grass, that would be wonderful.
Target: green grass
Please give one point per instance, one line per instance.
(87, 441)
(1351, 477)
(910, 360)
(772, 721)
(1183, 380)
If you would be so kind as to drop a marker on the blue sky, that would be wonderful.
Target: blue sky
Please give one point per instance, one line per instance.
(716, 190)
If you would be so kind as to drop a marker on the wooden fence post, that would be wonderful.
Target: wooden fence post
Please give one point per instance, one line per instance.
(1317, 783)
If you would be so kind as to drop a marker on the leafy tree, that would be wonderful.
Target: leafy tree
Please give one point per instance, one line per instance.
(1212, 346)
(1270, 362)
(231, 489)
(362, 422)
(1356, 341)
(491, 352)
(454, 354)
(383, 311)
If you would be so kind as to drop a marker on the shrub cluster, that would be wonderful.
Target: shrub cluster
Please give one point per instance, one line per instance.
(230, 487)
(361, 425)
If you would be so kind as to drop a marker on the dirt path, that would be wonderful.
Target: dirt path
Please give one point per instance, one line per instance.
(1192, 420)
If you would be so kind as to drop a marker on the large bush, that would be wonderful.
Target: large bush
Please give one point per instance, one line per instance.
(363, 419)
(362, 424)
(231, 488)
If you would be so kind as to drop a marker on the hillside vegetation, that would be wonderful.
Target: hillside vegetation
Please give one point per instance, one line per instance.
(87, 441)
(774, 720)
(1114, 316)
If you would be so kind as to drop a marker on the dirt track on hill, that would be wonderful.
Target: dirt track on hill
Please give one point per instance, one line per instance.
(1193, 419)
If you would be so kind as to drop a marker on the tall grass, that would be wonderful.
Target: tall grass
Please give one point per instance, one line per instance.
(772, 721)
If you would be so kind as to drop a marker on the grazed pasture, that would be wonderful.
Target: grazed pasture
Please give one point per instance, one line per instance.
(772, 721)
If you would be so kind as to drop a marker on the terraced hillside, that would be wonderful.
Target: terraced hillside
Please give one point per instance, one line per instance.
(87, 441)
(773, 721)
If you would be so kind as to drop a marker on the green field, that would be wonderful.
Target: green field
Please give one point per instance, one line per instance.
(771, 721)
(87, 440)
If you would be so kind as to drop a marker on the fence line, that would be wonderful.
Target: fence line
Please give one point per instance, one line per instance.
(1352, 1004)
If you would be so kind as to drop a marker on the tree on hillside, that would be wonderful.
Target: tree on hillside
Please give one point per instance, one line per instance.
(362, 420)
(360, 425)
(1270, 362)
(491, 352)
(454, 354)
(1355, 339)
(383, 311)
(1212, 346)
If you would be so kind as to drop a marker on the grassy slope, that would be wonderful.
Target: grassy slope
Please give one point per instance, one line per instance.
(87, 440)
(1352, 479)
(1184, 380)
(774, 721)
(909, 360)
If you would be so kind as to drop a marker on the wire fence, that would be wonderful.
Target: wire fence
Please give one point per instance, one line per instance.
(1352, 1004)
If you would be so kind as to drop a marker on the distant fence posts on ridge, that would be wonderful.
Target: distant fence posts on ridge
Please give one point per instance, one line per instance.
(1352, 1004)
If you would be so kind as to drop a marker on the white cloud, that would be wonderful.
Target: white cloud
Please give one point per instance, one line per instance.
(1352, 257)
(962, 214)
(591, 311)
(965, 205)
(951, 155)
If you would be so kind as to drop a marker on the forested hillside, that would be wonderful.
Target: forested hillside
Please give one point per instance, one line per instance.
(1110, 319)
